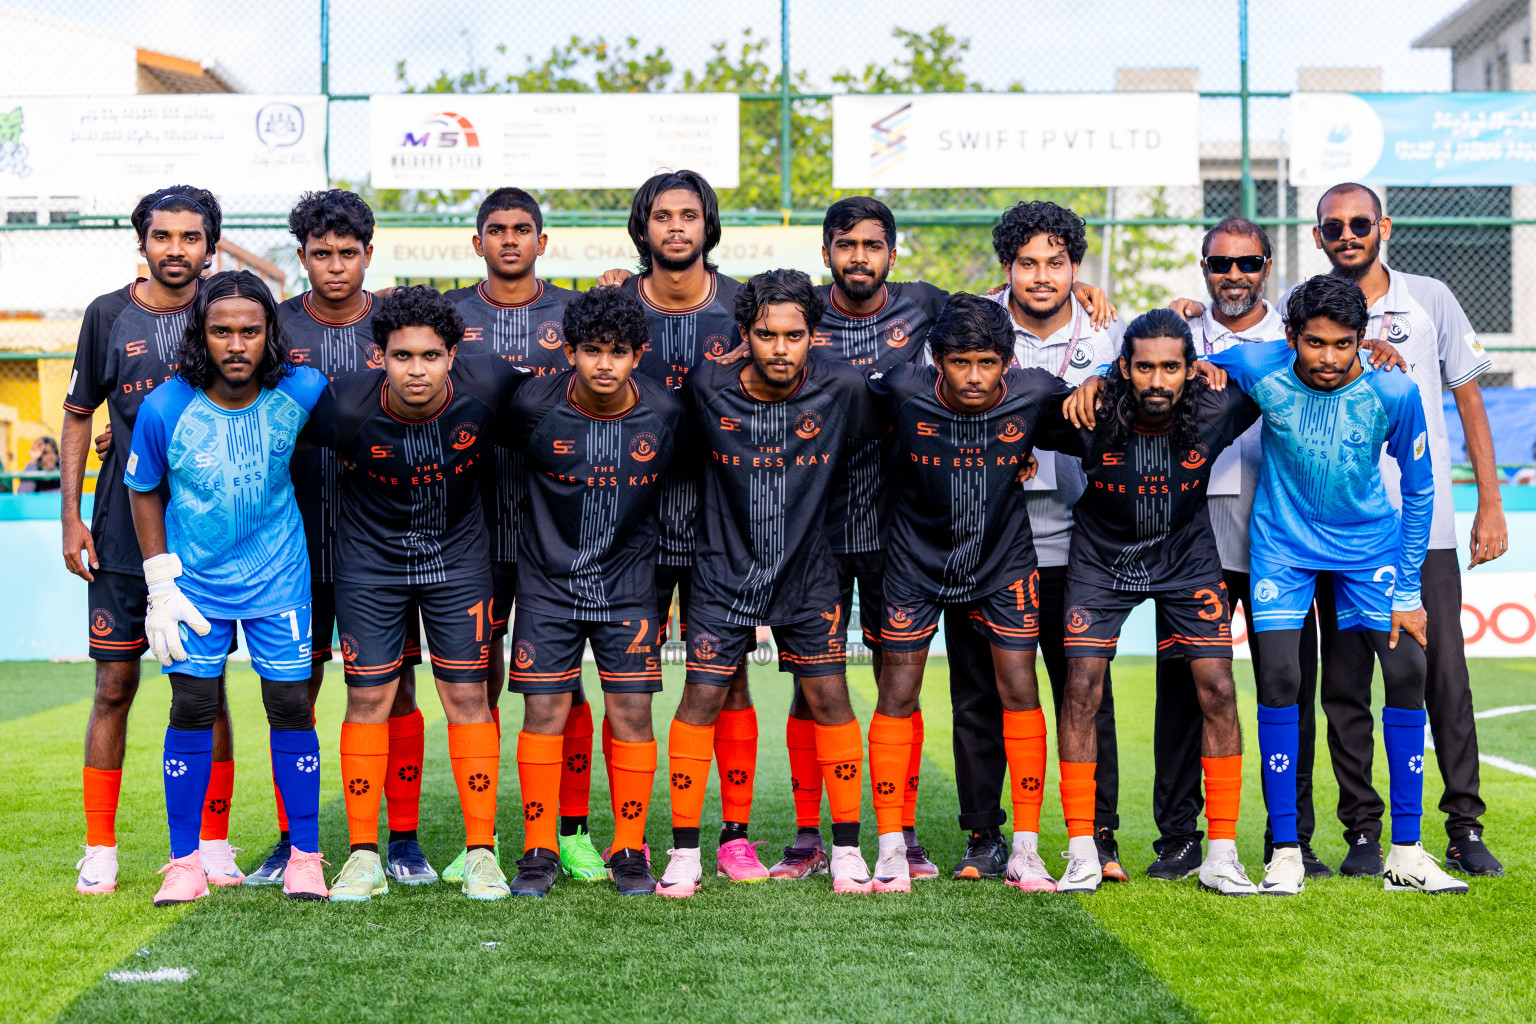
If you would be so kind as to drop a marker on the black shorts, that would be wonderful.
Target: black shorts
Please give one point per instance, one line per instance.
(868, 567)
(1009, 618)
(503, 593)
(116, 623)
(671, 578)
(323, 612)
(374, 617)
(546, 655)
(812, 646)
(1193, 622)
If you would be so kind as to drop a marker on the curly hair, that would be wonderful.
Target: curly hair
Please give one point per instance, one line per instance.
(334, 211)
(651, 190)
(778, 287)
(607, 315)
(196, 365)
(417, 306)
(1118, 403)
(1327, 295)
(970, 323)
(1026, 220)
(509, 199)
(179, 199)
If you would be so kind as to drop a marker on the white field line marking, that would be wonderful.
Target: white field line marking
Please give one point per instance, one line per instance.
(1490, 759)
(159, 974)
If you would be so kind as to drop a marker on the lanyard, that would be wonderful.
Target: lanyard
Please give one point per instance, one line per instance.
(1386, 324)
(1077, 323)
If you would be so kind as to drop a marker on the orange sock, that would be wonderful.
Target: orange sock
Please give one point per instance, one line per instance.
(1077, 795)
(1024, 742)
(736, 761)
(690, 748)
(840, 749)
(608, 752)
(634, 773)
(914, 769)
(538, 776)
(101, 788)
(804, 771)
(474, 750)
(364, 753)
(1223, 793)
(496, 720)
(402, 778)
(890, 750)
(221, 789)
(576, 763)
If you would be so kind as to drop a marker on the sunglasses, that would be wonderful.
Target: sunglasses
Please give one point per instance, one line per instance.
(1246, 264)
(1360, 227)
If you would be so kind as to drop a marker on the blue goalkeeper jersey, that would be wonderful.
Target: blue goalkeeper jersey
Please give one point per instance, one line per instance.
(1321, 503)
(232, 517)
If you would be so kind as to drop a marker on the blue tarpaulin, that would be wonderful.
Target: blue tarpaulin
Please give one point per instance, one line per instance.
(1512, 419)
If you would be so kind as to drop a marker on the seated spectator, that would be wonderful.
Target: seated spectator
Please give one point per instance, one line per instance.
(44, 458)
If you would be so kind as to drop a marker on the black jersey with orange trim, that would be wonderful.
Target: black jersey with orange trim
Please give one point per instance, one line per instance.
(126, 350)
(764, 555)
(588, 550)
(337, 348)
(891, 336)
(680, 340)
(1142, 523)
(530, 334)
(960, 530)
(411, 508)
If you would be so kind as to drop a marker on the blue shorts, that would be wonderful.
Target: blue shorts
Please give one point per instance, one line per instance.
(1282, 595)
(279, 645)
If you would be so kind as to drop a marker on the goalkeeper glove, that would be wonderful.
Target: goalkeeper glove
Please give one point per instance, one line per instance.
(168, 610)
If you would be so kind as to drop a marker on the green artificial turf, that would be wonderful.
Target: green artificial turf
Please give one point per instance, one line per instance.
(1345, 950)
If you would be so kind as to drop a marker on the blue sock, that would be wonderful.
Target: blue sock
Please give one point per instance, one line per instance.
(1279, 741)
(1403, 733)
(188, 765)
(296, 767)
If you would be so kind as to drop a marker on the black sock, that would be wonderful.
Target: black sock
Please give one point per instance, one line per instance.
(370, 847)
(910, 831)
(395, 837)
(481, 846)
(685, 838)
(282, 836)
(845, 833)
(732, 830)
(1287, 846)
(807, 832)
(569, 826)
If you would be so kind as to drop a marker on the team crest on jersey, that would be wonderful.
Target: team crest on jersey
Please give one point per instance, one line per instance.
(809, 424)
(1386, 574)
(899, 618)
(1400, 330)
(1356, 438)
(642, 447)
(102, 622)
(1194, 458)
(550, 335)
(522, 657)
(715, 346)
(1078, 619)
(706, 646)
(348, 648)
(1012, 429)
(1420, 443)
(898, 333)
(1265, 591)
(375, 358)
(464, 436)
(1082, 355)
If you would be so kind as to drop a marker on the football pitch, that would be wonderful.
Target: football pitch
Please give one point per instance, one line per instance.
(1344, 950)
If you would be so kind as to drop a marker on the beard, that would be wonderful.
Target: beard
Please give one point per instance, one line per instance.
(677, 265)
(1355, 273)
(859, 291)
(1236, 307)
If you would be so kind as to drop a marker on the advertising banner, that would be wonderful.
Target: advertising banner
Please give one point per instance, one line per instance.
(552, 140)
(228, 143)
(1448, 138)
(1023, 140)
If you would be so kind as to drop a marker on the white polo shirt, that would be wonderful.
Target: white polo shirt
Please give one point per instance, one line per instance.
(1072, 353)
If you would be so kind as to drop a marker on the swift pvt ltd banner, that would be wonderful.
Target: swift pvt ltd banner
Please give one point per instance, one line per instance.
(1022, 140)
(552, 140)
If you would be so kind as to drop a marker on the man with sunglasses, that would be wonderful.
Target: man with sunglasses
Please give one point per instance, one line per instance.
(1421, 317)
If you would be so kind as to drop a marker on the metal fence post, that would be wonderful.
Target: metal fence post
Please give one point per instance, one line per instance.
(786, 158)
(1250, 203)
(325, 79)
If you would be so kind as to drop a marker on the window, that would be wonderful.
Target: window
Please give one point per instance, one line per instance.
(1474, 262)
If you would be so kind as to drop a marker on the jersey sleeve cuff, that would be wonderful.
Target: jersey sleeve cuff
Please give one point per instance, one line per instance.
(1407, 601)
(142, 486)
(82, 410)
(1476, 371)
